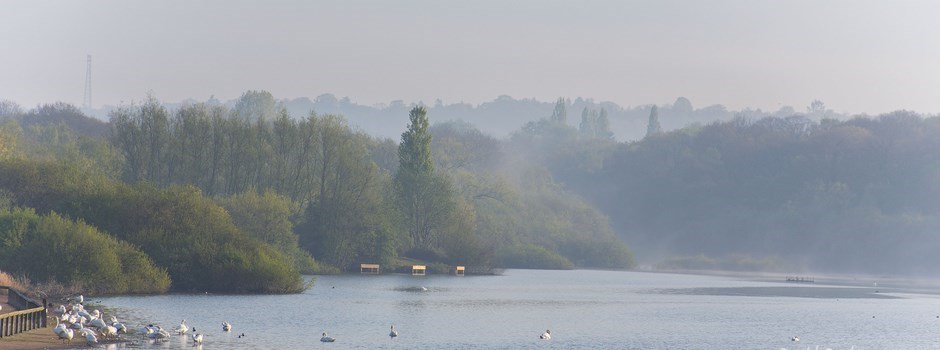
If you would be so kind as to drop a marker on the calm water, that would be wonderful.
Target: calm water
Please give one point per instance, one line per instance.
(583, 309)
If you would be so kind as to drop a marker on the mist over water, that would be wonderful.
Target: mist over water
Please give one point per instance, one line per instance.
(583, 309)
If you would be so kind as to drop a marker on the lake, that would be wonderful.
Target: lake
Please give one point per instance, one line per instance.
(583, 309)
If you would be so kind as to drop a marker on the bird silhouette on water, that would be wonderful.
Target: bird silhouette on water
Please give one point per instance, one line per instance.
(327, 339)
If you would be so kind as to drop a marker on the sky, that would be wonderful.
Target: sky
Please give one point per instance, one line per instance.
(857, 56)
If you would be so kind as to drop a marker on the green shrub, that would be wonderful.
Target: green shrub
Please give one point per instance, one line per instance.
(267, 218)
(181, 230)
(52, 248)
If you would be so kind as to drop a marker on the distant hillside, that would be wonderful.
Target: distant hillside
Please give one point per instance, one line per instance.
(505, 115)
(859, 195)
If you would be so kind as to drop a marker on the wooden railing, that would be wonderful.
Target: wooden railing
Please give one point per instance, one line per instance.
(32, 315)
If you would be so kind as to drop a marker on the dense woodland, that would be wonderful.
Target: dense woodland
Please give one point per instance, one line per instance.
(261, 194)
(780, 194)
(244, 199)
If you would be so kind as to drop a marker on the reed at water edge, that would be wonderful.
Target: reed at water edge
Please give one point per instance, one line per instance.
(20, 284)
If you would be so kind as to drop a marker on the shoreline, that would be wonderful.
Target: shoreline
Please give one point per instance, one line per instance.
(44, 339)
(914, 285)
(37, 339)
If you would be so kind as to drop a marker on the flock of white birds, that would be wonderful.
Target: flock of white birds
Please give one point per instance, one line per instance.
(73, 320)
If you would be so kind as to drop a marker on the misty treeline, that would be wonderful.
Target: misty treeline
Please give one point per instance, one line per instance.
(773, 192)
(505, 115)
(784, 194)
(300, 187)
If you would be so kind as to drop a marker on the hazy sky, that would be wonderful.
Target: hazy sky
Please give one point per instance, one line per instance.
(856, 56)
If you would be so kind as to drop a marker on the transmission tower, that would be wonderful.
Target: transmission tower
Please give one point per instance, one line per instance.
(86, 104)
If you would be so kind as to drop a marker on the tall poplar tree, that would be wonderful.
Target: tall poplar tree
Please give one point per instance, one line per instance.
(653, 128)
(588, 126)
(560, 114)
(426, 200)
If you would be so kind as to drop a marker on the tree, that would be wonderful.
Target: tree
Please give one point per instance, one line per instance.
(155, 125)
(682, 106)
(9, 109)
(141, 133)
(8, 127)
(653, 128)
(603, 126)
(816, 106)
(414, 152)
(595, 125)
(8, 132)
(560, 114)
(346, 219)
(267, 218)
(425, 199)
(588, 124)
(255, 105)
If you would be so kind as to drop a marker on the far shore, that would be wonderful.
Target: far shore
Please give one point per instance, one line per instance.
(904, 284)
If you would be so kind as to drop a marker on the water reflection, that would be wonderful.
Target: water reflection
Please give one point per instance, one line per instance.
(792, 292)
(584, 310)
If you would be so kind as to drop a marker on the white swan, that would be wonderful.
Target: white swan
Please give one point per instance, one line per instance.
(226, 326)
(182, 328)
(121, 328)
(158, 334)
(327, 339)
(108, 332)
(67, 335)
(546, 335)
(393, 333)
(90, 337)
(84, 313)
(97, 323)
(197, 338)
(79, 323)
(59, 327)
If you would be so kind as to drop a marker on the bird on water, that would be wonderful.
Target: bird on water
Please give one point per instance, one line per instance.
(327, 339)
(182, 328)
